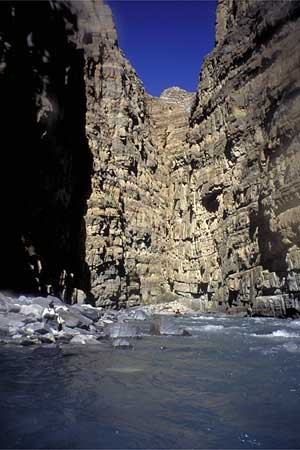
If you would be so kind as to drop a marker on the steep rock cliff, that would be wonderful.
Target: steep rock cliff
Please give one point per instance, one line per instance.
(242, 164)
(125, 216)
(83, 209)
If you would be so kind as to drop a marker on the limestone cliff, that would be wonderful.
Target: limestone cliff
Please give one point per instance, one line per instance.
(125, 210)
(241, 245)
(132, 198)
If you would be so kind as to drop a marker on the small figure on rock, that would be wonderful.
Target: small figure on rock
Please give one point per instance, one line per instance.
(50, 313)
(60, 322)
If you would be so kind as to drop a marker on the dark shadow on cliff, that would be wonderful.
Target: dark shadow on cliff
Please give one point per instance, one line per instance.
(45, 159)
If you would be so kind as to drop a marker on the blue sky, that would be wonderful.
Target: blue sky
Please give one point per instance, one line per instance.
(165, 41)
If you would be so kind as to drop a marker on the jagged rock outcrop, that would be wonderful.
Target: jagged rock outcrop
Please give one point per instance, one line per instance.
(133, 198)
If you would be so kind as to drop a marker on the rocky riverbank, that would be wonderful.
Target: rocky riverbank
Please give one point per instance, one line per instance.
(39, 320)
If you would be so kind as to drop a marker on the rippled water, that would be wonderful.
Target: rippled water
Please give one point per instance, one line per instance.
(234, 384)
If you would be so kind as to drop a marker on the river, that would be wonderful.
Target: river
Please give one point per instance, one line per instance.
(235, 383)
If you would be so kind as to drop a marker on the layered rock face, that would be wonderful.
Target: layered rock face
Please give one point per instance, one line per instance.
(212, 217)
(132, 198)
(240, 182)
(125, 216)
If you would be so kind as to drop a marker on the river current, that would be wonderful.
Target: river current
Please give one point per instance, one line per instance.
(235, 383)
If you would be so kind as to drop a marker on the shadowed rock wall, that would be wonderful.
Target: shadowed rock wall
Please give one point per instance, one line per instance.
(45, 159)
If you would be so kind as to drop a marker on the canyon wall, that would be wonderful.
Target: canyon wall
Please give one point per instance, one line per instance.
(81, 191)
(125, 215)
(127, 198)
(240, 187)
(45, 159)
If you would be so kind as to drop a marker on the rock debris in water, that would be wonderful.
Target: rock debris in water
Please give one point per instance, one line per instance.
(36, 320)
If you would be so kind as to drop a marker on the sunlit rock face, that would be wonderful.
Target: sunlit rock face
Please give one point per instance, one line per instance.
(133, 198)
(202, 203)
(125, 224)
(240, 176)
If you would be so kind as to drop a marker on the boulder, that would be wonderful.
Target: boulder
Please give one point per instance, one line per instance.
(84, 339)
(4, 302)
(122, 330)
(45, 301)
(26, 341)
(14, 307)
(37, 327)
(122, 343)
(13, 318)
(89, 312)
(165, 325)
(111, 314)
(7, 305)
(12, 323)
(139, 314)
(79, 296)
(74, 319)
(48, 338)
(22, 300)
(35, 311)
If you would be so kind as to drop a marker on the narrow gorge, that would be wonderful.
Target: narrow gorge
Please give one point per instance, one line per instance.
(120, 198)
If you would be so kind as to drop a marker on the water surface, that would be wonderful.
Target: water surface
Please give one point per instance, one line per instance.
(233, 384)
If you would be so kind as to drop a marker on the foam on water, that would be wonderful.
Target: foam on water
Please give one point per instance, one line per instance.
(277, 334)
(212, 327)
(294, 324)
(262, 319)
(203, 318)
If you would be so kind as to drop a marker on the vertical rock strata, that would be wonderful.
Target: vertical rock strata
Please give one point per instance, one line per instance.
(243, 165)
(125, 212)
(133, 198)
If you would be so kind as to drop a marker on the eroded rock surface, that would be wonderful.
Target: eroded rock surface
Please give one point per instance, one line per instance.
(238, 222)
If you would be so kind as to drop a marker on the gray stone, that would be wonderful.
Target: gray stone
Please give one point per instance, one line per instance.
(89, 312)
(48, 338)
(45, 301)
(121, 343)
(28, 341)
(165, 325)
(84, 339)
(4, 302)
(139, 315)
(37, 327)
(122, 330)
(32, 310)
(74, 319)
